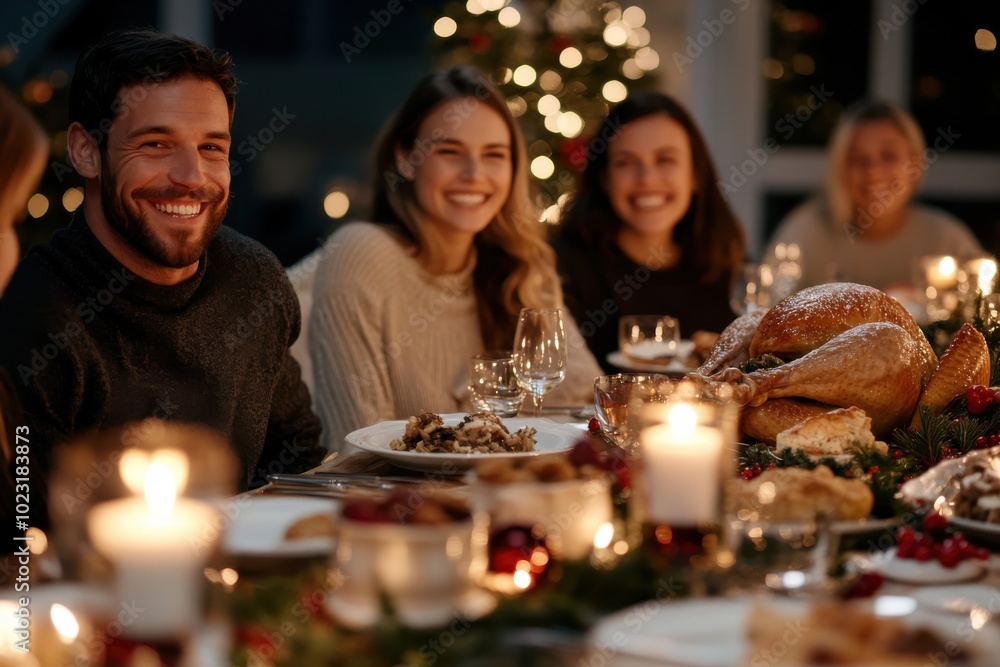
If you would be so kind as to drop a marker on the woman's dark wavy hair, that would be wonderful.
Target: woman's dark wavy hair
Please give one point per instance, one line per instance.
(709, 235)
(134, 57)
(515, 267)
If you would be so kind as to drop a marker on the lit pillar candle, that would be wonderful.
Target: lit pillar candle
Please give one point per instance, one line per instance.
(155, 544)
(683, 464)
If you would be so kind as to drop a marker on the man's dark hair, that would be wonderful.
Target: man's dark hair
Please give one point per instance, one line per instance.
(132, 57)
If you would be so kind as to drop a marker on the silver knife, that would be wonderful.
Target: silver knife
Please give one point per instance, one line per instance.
(331, 482)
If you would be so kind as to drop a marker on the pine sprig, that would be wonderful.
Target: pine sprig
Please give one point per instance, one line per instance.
(926, 442)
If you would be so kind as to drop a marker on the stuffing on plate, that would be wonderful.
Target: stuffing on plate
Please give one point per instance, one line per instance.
(479, 433)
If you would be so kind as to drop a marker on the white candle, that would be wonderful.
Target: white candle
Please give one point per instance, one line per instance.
(683, 468)
(155, 544)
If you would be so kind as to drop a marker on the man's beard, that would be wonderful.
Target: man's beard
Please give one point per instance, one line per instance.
(175, 249)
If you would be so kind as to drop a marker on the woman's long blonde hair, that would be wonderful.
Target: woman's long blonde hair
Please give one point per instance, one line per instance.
(515, 267)
(842, 210)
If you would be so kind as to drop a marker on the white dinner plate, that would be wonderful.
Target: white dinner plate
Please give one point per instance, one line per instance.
(550, 438)
(712, 632)
(695, 633)
(912, 571)
(927, 488)
(963, 599)
(257, 525)
(675, 367)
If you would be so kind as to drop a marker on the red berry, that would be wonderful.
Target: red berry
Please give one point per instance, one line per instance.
(771, 466)
(905, 550)
(982, 554)
(874, 470)
(994, 439)
(897, 453)
(982, 442)
(979, 399)
(923, 553)
(934, 522)
(949, 558)
(585, 452)
(616, 462)
(906, 535)
(593, 425)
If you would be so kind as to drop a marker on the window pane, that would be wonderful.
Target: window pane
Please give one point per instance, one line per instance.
(953, 83)
(818, 64)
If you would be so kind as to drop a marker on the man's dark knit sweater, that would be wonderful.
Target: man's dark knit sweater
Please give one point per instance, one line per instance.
(87, 344)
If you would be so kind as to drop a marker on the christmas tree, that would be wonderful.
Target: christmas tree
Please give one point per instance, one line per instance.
(560, 64)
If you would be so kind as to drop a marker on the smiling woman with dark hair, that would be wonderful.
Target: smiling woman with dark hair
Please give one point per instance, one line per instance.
(648, 231)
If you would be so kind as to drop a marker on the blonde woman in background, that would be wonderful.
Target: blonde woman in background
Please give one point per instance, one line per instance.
(24, 149)
(440, 274)
(867, 228)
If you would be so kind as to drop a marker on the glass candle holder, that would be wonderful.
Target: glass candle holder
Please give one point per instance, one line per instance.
(938, 278)
(686, 456)
(132, 511)
(618, 396)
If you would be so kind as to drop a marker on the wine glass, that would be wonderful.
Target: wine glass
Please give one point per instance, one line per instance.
(539, 352)
(649, 339)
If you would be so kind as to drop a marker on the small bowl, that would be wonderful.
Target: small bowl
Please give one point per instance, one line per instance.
(428, 572)
(570, 512)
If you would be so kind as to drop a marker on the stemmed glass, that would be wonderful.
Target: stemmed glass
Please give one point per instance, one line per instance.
(539, 352)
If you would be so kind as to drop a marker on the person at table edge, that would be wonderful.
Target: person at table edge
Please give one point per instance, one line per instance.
(133, 310)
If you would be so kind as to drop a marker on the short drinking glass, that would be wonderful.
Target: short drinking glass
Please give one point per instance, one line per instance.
(493, 385)
(650, 339)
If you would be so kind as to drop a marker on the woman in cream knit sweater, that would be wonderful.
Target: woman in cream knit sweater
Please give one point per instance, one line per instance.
(452, 255)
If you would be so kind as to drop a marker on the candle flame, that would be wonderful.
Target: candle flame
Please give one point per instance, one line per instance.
(947, 266)
(65, 623)
(135, 464)
(602, 538)
(987, 272)
(132, 468)
(160, 488)
(682, 419)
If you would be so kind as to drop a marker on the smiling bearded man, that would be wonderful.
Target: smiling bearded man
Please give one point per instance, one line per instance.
(139, 308)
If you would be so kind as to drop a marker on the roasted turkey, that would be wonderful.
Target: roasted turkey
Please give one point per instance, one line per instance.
(844, 345)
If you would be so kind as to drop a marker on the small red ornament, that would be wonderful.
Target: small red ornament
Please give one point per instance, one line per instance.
(558, 43)
(519, 548)
(479, 43)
